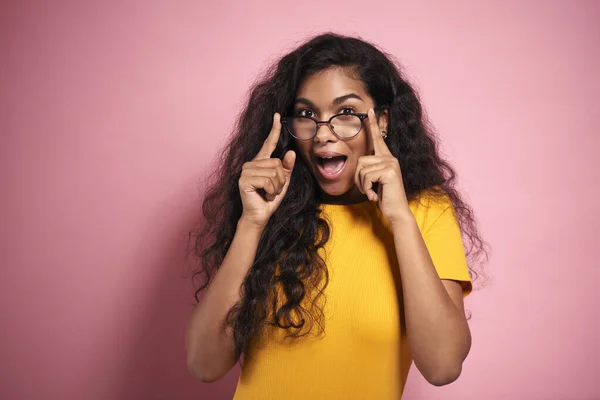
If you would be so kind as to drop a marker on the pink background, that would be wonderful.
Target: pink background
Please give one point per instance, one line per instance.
(110, 112)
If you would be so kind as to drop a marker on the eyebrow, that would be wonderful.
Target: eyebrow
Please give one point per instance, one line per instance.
(338, 100)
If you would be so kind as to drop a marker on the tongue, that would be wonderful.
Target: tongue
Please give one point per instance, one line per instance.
(332, 165)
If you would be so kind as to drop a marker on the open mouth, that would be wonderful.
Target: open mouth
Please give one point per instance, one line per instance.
(331, 167)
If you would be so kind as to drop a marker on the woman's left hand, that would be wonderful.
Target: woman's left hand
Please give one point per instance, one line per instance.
(382, 167)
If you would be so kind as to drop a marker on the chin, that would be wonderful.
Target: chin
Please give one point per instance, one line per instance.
(336, 188)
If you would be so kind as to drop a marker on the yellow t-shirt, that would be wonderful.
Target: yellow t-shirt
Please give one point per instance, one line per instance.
(364, 352)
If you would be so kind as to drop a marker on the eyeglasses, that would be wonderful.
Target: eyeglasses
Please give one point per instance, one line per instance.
(344, 126)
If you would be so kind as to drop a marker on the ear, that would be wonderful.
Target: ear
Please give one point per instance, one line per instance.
(383, 119)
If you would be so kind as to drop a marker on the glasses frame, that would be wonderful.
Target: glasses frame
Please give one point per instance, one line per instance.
(361, 116)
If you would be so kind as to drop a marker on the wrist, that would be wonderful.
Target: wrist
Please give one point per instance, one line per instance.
(245, 223)
(401, 220)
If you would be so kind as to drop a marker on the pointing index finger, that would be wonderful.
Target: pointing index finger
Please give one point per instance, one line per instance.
(378, 143)
(270, 142)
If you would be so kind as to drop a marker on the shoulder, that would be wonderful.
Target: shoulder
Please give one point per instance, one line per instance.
(429, 205)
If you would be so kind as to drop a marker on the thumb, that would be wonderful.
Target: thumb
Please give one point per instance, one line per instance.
(289, 159)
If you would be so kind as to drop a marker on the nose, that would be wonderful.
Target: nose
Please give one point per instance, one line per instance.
(324, 133)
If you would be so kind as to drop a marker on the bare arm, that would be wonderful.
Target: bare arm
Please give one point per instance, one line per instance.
(210, 347)
(438, 333)
(263, 183)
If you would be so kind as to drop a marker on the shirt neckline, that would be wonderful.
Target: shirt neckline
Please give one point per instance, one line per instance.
(353, 205)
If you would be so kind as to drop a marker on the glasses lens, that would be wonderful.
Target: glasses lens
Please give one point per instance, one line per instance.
(302, 127)
(346, 126)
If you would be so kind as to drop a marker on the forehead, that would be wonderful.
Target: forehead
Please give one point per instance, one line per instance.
(326, 85)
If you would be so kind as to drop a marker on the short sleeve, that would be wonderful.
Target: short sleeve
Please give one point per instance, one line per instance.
(442, 236)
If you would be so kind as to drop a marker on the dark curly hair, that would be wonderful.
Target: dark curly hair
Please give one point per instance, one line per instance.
(287, 273)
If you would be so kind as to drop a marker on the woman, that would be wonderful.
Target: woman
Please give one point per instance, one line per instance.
(332, 253)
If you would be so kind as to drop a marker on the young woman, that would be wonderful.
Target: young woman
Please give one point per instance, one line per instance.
(332, 252)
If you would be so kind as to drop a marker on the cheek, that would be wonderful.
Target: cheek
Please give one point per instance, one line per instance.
(368, 143)
(361, 146)
(304, 151)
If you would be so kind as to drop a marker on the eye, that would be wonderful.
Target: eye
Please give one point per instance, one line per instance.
(305, 113)
(347, 110)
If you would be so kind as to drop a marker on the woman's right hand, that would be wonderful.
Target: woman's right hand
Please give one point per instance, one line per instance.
(265, 180)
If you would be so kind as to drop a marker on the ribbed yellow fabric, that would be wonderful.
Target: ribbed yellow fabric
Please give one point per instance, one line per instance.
(364, 352)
